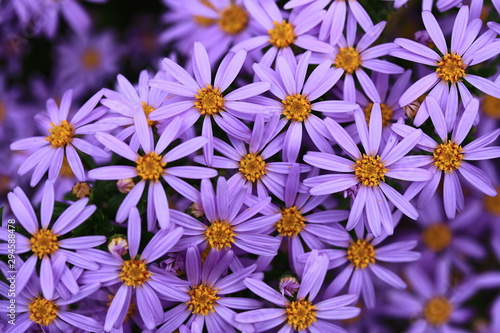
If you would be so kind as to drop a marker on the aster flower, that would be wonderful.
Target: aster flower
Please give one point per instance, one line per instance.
(350, 59)
(449, 158)
(151, 166)
(370, 170)
(207, 97)
(203, 297)
(229, 224)
(297, 96)
(63, 137)
(47, 244)
(280, 33)
(365, 256)
(301, 313)
(451, 67)
(136, 277)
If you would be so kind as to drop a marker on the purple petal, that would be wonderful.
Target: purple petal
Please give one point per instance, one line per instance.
(117, 146)
(399, 201)
(263, 290)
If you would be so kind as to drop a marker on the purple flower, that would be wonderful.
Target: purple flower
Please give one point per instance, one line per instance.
(451, 66)
(203, 298)
(62, 139)
(297, 98)
(46, 244)
(448, 158)
(367, 171)
(229, 223)
(151, 167)
(207, 97)
(302, 313)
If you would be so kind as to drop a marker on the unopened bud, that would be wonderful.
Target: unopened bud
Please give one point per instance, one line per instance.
(197, 209)
(125, 185)
(289, 286)
(411, 109)
(118, 246)
(81, 190)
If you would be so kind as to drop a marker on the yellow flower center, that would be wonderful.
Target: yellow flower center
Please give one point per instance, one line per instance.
(44, 242)
(348, 59)
(66, 171)
(91, 59)
(202, 300)
(492, 204)
(296, 107)
(150, 166)
(220, 235)
(491, 106)
(437, 311)
(60, 135)
(209, 100)
(451, 68)
(386, 114)
(282, 35)
(437, 237)
(291, 222)
(147, 110)
(134, 272)
(370, 170)
(448, 156)
(42, 311)
(300, 314)
(233, 19)
(361, 253)
(252, 167)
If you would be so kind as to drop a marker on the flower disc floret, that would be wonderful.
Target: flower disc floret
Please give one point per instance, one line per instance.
(282, 35)
(492, 204)
(348, 59)
(437, 311)
(134, 272)
(451, 68)
(147, 110)
(386, 113)
(448, 156)
(491, 106)
(370, 170)
(252, 167)
(91, 59)
(60, 135)
(220, 235)
(202, 300)
(44, 242)
(233, 19)
(361, 253)
(291, 222)
(301, 314)
(296, 107)
(150, 166)
(209, 100)
(437, 237)
(42, 311)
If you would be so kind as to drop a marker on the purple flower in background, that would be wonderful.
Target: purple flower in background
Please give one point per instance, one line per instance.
(46, 244)
(151, 167)
(62, 139)
(297, 96)
(449, 158)
(229, 223)
(302, 314)
(203, 300)
(445, 83)
(367, 171)
(207, 97)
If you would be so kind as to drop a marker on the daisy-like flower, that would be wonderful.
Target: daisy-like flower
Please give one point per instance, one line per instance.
(255, 171)
(63, 137)
(364, 257)
(206, 97)
(203, 300)
(451, 65)
(136, 277)
(47, 243)
(229, 224)
(280, 33)
(449, 158)
(297, 96)
(151, 167)
(300, 313)
(352, 60)
(367, 171)
(35, 310)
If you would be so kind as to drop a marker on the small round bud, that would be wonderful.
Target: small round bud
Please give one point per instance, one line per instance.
(196, 209)
(411, 109)
(125, 185)
(81, 190)
(118, 246)
(289, 286)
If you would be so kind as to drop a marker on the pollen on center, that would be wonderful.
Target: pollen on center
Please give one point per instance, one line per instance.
(209, 101)
(296, 107)
(220, 235)
(448, 156)
(361, 253)
(370, 170)
(348, 59)
(291, 222)
(150, 166)
(282, 34)
(252, 167)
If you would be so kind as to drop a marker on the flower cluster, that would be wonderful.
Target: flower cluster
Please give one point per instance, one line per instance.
(289, 166)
